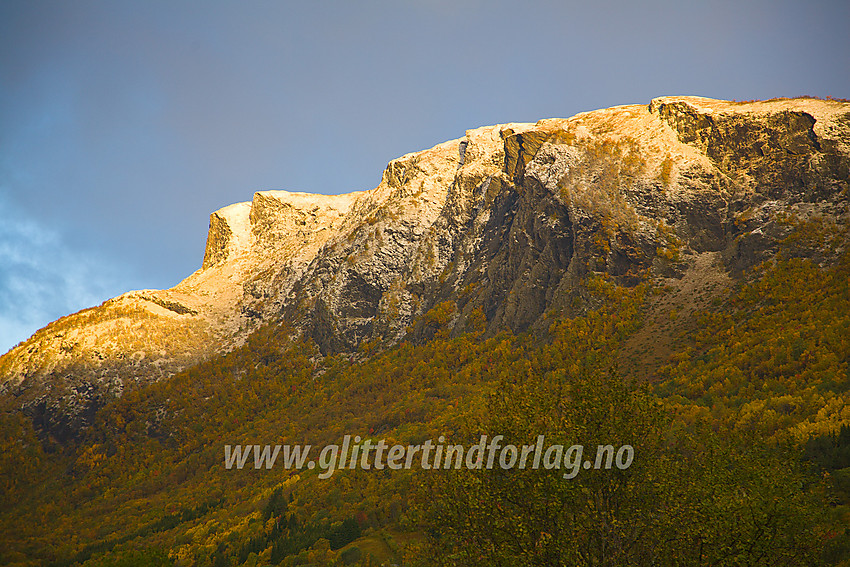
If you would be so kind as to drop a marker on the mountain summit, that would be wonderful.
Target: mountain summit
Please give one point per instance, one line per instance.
(495, 230)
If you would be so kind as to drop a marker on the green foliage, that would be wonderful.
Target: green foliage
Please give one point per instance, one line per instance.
(437, 319)
(23, 458)
(717, 477)
(350, 556)
(276, 506)
(830, 451)
(690, 497)
(132, 558)
(769, 362)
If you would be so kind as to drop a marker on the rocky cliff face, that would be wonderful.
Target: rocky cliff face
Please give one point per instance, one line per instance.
(505, 223)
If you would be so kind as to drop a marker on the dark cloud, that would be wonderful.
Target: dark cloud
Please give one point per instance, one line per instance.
(123, 125)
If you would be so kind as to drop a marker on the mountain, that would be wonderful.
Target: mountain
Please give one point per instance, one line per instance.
(505, 223)
(671, 277)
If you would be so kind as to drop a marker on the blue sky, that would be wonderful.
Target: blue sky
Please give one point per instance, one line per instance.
(124, 124)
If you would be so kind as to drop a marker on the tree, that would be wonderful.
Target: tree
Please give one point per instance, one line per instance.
(687, 498)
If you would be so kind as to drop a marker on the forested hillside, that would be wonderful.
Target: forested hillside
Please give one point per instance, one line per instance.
(740, 455)
(656, 293)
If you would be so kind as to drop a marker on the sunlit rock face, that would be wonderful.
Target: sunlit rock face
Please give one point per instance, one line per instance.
(505, 222)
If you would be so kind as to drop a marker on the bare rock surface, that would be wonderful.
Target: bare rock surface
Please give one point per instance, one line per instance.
(505, 222)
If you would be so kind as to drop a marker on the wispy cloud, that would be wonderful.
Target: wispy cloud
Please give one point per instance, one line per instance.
(124, 124)
(42, 279)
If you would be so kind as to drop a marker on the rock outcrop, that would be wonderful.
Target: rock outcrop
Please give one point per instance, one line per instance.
(504, 223)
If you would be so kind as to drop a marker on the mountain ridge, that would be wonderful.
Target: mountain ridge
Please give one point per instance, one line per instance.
(504, 223)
